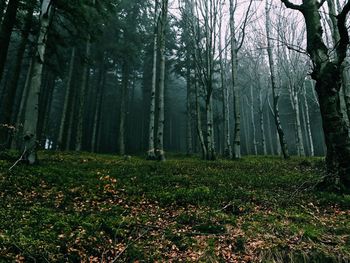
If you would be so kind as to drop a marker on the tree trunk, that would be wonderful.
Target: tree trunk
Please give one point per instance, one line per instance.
(275, 95)
(327, 73)
(151, 155)
(10, 90)
(236, 96)
(253, 120)
(32, 107)
(199, 124)
(307, 123)
(123, 107)
(97, 113)
(82, 97)
(189, 143)
(261, 121)
(6, 31)
(67, 97)
(225, 102)
(297, 123)
(16, 142)
(160, 131)
(346, 86)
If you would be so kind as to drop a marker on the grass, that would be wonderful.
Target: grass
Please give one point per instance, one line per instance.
(102, 208)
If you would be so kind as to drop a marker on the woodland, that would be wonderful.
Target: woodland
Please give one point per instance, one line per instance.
(174, 131)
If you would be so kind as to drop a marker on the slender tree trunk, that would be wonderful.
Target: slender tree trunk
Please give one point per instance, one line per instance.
(270, 129)
(67, 98)
(299, 143)
(275, 95)
(97, 113)
(160, 131)
(236, 96)
(6, 31)
(151, 155)
(32, 107)
(252, 118)
(189, 143)
(308, 124)
(123, 107)
(10, 90)
(199, 124)
(16, 142)
(346, 85)
(225, 104)
(82, 97)
(261, 121)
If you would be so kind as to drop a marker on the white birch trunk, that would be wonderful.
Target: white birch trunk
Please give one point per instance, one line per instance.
(160, 131)
(236, 96)
(151, 155)
(32, 104)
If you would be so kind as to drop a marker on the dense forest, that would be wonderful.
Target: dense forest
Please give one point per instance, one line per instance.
(215, 80)
(220, 78)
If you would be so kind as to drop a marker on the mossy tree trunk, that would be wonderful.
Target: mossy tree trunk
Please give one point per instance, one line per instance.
(327, 73)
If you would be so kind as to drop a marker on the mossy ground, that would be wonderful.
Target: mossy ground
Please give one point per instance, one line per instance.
(103, 208)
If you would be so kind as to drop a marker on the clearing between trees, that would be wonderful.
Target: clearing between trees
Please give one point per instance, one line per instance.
(102, 208)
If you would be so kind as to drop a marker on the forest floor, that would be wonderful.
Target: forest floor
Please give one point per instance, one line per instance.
(102, 208)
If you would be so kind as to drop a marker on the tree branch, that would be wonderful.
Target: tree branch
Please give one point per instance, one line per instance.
(290, 5)
(343, 32)
(320, 4)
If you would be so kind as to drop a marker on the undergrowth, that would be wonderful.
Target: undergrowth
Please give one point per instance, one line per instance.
(102, 208)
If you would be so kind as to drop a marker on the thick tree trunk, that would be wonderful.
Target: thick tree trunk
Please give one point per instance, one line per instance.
(6, 30)
(275, 95)
(67, 98)
(160, 131)
(335, 129)
(327, 73)
(82, 97)
(32, 107)
(10, 90)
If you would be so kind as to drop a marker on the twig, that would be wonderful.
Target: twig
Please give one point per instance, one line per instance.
(20, 159)
(126, 247)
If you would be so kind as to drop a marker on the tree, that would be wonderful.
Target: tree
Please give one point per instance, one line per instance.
(11, 88)
(160, 131)
(327, 72)
(275, 95)
(32, 105)
(151, 155)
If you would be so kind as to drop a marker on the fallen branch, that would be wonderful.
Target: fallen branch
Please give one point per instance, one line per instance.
(20, 159)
